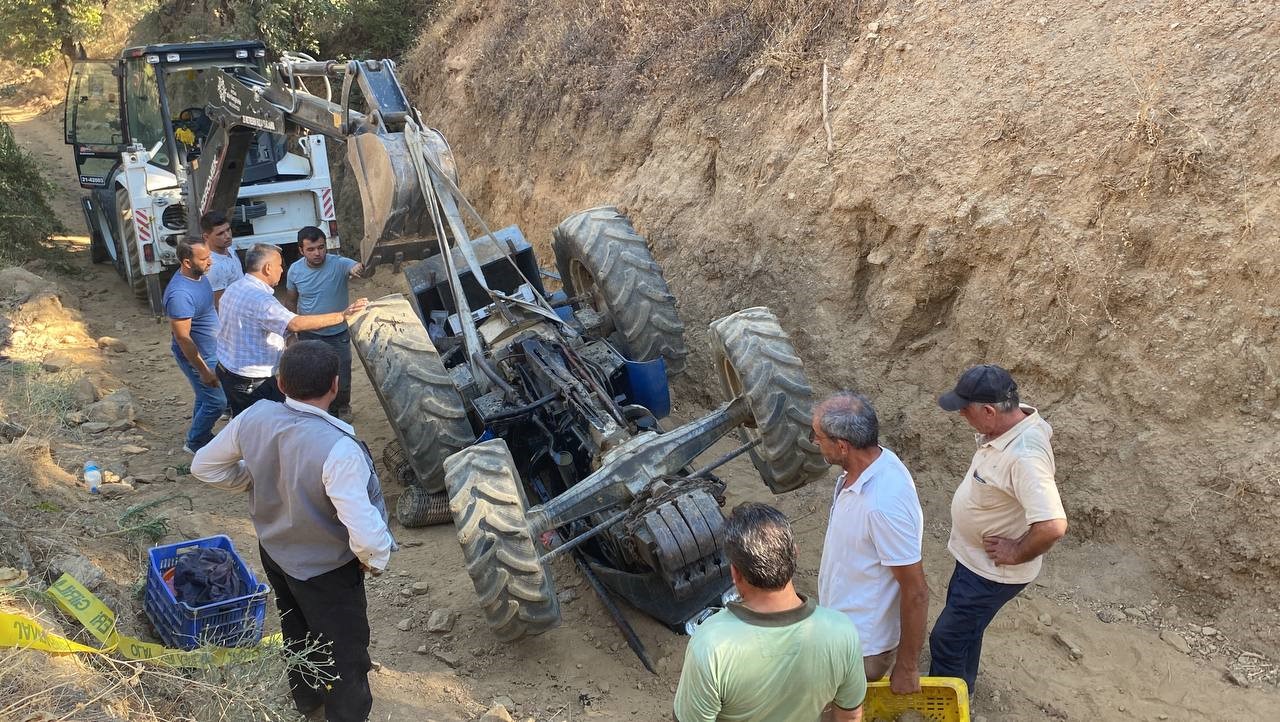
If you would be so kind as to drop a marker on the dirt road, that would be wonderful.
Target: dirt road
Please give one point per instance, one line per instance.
(583, 669)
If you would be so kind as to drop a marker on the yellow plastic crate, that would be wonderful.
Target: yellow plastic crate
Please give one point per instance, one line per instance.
(940, 699)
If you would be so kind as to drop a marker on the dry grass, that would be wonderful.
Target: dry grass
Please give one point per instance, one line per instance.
(39, 687)
(40, 399)
(546, 59)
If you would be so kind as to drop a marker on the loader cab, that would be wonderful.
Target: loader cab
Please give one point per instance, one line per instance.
(151, 97)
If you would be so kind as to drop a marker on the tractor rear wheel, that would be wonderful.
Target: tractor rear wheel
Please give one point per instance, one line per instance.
(600, 255)
(127, 247)
(516, 591)
(754, 359)
(425, 410)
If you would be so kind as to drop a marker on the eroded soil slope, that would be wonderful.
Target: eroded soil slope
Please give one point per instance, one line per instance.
(1083, 192)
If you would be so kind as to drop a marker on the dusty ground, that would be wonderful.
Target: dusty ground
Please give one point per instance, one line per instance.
(1126, 672)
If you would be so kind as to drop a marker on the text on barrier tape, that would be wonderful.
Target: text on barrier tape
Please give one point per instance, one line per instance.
(17, 630)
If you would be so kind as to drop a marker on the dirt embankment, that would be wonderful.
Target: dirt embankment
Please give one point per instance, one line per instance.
(1083, 192)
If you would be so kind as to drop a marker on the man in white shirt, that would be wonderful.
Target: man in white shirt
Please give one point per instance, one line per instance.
(215, 231)
(251, 329)
(318, 510)
(871, 565)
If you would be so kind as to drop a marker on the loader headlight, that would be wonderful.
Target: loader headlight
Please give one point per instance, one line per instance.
(172, 57)
(242, 54)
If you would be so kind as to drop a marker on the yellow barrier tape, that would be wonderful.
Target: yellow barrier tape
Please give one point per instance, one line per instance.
(19, 631)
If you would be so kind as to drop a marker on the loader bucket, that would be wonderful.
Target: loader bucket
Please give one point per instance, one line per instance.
(395, 212)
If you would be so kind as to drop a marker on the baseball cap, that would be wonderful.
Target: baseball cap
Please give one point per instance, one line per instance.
(985, 384)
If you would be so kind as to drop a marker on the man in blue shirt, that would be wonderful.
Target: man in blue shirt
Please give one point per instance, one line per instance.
(317, 285)
(188, 302)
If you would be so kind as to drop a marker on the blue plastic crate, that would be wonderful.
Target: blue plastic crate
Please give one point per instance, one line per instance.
(230, 623)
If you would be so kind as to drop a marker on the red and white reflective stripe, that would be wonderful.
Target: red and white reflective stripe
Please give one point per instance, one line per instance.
(142, 221)
(326, 204)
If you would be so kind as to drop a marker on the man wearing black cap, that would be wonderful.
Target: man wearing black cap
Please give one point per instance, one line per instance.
(1004, 516)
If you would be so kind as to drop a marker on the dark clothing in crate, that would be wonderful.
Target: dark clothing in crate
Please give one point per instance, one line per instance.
(318, 510)
(202, 605)
(205, 576)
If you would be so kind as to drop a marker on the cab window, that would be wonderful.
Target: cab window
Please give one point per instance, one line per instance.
(142, 108)
(93, 105)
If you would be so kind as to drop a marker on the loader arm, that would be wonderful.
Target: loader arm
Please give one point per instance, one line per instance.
(405, 171)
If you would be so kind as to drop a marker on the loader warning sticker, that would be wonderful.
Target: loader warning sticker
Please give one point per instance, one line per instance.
(142, 220)
(259, 123)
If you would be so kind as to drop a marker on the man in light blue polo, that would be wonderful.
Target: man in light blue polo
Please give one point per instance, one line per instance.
(319, 285)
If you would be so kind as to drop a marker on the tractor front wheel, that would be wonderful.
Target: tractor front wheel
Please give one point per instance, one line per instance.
(601, 257)
(127, 247)
(754, 359)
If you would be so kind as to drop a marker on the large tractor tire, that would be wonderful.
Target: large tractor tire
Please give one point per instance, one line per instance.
(516, 591)
(754, 359)
(127, 247)
(600, 254)
(425, 410)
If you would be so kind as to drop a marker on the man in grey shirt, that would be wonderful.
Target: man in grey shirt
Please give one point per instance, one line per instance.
(317, 508)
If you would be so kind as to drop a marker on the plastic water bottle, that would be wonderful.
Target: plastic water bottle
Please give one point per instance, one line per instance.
(92, 476)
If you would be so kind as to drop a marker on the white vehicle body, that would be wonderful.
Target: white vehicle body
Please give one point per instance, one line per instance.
(138, 171)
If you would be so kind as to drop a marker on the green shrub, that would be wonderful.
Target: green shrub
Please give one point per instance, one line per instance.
(37, 30)
(26, 219)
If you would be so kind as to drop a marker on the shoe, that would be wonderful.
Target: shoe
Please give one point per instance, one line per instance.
(188, 449)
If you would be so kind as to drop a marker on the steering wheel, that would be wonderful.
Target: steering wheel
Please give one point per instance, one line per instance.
(195, 120)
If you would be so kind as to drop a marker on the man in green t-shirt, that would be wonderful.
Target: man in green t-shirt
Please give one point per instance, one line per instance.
(776, 656)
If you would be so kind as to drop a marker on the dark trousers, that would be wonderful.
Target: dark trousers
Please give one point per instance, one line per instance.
(341, 343)
(329, 609)
(242, 391)
(956, 641)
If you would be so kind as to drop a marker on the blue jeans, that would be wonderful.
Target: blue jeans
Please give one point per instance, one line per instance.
(210, 401)
(956, 641)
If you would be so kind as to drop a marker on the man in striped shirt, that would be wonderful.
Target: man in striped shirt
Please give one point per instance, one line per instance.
(252, 328)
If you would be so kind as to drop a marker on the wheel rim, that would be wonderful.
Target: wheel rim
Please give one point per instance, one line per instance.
(733, 384)
(584, 284)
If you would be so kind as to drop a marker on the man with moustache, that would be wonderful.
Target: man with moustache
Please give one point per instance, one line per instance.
(318, 284)
(872, 568)
(253, 326)
(188, 302)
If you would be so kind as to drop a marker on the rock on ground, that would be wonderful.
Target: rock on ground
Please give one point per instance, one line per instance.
(112, 408)
(496, 713)
(441, 620)
(110, 343)
(1175, 640)
(78, 566)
